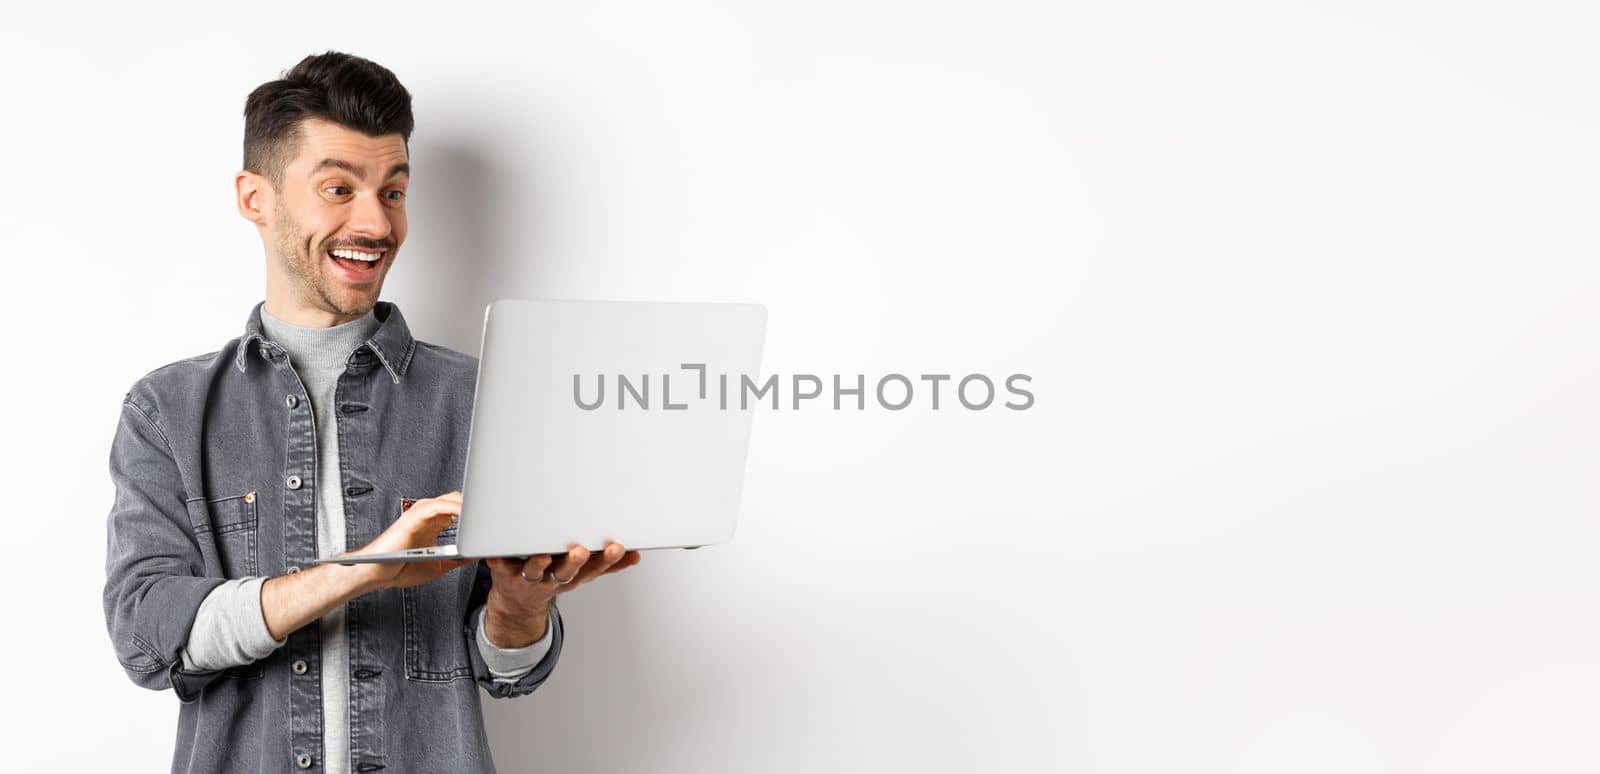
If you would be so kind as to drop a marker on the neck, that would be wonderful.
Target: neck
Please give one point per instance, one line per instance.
(319, 347)
(309, 317)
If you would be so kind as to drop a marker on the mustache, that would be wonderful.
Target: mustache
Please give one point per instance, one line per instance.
(370, 245)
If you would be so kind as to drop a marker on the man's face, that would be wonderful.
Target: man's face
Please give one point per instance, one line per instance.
(338, 221)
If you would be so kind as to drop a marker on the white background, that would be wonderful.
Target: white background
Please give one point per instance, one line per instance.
(1307, 290)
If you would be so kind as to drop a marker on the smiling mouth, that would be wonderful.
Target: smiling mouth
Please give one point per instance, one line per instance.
(358, 263)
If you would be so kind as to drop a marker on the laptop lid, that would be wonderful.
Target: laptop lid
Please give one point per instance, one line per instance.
(608, 420)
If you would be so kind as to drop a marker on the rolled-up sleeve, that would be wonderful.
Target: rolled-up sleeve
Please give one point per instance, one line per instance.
(508, 665)
(483, 672)
(230, 629)
(154, 568)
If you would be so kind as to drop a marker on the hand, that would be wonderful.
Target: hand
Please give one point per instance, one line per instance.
(519, 601)
(418, 527)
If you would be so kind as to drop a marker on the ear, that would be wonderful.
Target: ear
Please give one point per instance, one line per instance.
(251, 192)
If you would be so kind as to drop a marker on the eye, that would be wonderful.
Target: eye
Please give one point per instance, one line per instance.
(337, 190)
(395, 195)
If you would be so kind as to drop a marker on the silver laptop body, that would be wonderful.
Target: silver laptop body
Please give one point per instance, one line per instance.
(598, 421)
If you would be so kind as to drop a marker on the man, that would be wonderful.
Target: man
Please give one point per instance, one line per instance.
(315, 433)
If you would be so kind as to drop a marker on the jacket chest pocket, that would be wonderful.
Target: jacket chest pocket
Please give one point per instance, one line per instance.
(231, 522)
(435, 613)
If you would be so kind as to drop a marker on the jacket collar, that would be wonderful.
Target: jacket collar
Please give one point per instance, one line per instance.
(392, 344)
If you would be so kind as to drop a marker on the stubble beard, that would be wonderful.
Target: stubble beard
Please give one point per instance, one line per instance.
(294, 253)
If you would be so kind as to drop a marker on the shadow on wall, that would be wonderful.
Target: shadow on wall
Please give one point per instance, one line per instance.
(477, 234)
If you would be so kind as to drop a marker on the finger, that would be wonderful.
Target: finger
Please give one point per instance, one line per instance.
(431, 517)
(632, 558)
(503, 568)
(570, 565)
(451, 496)
(519, 572)
(599, 563)
(432, 509)
(534, 570)
(433, 526)
(628, 560)
(507, 569)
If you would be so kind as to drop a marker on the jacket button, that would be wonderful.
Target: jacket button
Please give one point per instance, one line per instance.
(293, 570)
(299, 666)
(303, 761)
(293, 482)
(249, 497)
(291, 400)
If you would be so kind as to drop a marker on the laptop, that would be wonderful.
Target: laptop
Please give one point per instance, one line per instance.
(598, 421)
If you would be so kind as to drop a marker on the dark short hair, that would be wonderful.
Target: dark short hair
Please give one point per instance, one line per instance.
(347, 90)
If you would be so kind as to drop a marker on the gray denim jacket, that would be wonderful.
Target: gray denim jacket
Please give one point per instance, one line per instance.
(214, 463)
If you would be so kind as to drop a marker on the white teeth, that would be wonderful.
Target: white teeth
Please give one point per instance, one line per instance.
(356, 256)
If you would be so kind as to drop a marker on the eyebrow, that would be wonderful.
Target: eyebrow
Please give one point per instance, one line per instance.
(358, 171)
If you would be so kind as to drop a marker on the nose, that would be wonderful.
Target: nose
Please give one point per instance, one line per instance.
(369, 218)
